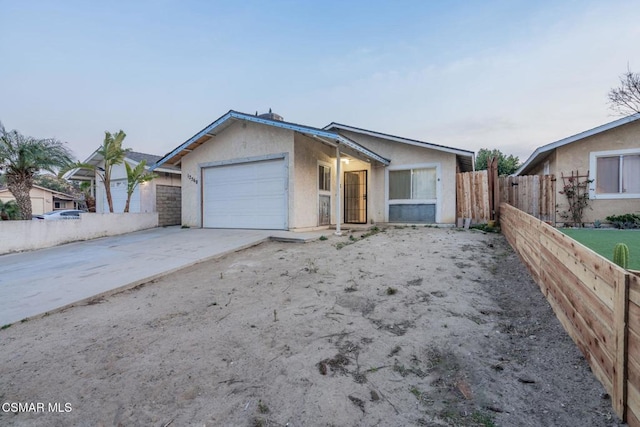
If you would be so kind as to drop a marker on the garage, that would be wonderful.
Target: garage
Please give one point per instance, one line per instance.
(119, 197)
(245, 195)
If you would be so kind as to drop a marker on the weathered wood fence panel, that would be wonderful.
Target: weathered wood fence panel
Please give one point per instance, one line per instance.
(472, 193)
(533, 194)
(597, 302)
(633, 361)
(478, 192)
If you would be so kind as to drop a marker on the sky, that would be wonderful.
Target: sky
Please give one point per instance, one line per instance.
(505, 74)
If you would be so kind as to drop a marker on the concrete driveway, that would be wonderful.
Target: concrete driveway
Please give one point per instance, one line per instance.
(37, 282)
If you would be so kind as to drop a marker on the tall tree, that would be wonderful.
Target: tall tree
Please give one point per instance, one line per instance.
(135, 176)
(506, 164)
(625, 99)
(112, 154)
(21, 157)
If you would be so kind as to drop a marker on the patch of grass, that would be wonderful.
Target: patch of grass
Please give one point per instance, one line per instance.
(372, 231)
(417, 393)
(353, 239)
(8, 325)
(391, 291)
(603, 241)
(482, 419)
(323, 237)
(262, 408)
(485, 227)
(341, 245)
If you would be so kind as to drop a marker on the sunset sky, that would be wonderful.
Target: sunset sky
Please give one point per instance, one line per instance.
(504, 74)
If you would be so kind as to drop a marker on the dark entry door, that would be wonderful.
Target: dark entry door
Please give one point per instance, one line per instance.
(355, 197)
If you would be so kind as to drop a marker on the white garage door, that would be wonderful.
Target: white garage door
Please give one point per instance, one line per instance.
(245, 195)
(119, 197)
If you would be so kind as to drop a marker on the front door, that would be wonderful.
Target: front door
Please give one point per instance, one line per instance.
(355, 197)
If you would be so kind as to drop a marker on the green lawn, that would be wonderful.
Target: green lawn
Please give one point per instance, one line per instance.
(603, 241)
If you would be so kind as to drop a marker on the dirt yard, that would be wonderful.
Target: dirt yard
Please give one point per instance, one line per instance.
(408, 326)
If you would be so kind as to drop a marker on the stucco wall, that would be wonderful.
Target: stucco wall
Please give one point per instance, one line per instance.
(29, 235)
(405, 154)
(146, 191)
(238, 141)
(307, 153)
(575, 156)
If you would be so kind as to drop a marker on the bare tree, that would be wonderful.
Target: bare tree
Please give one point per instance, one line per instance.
(625, 99)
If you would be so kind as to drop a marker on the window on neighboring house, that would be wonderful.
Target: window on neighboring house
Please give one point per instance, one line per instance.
(59, 205)
(412, 184)
(617, 174)
(324, 178)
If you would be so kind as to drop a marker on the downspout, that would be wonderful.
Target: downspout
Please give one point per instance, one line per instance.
(338, 218)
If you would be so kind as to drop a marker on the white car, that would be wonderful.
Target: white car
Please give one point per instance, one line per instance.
(61, 214)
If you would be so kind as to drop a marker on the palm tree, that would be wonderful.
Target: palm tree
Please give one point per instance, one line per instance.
(9, 210)
(21, 157)
(90, 201)
(112, 154)
(136, 175)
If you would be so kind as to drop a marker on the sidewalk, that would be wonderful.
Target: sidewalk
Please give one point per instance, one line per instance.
(37, 282)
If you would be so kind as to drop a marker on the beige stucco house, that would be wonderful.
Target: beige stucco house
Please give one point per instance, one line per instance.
(608, 155)
(43, 199)
(162, 194)
(249, 171)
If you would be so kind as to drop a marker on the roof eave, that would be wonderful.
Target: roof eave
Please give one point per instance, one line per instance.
(545, 149)
(306, 130)
(400, 139)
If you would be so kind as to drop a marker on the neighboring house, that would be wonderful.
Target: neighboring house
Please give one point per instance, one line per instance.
(162, 194)
(609, 154)
(44, 200)
(246, 171)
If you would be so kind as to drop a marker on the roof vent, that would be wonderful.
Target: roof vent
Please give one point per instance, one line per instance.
(271, 116)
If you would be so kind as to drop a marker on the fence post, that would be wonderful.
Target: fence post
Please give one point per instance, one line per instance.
(620, 327)
(494, 189)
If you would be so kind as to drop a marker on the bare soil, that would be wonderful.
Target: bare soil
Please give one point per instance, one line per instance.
(408, 326)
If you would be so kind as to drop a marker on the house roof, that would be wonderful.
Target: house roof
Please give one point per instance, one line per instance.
(544, 151)
(56, 194)
(327, 137)
(134, 157)
(465, 157)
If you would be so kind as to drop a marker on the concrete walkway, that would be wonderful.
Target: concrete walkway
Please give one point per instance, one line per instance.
(37, 282)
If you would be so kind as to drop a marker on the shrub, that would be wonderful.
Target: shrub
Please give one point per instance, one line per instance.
(625, 221)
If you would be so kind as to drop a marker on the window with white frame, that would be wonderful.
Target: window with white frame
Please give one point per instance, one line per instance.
(413, 195)
(412, 184)
(615, 174)
(324, 178)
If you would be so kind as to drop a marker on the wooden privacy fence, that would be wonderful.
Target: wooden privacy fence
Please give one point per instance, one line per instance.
(472, 194)
(478, 192)
(597, 302)
(533, 194)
